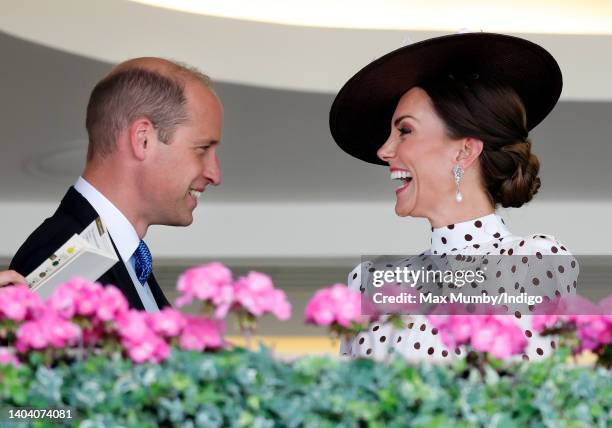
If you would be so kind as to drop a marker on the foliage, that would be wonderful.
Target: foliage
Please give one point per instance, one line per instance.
(238, 388)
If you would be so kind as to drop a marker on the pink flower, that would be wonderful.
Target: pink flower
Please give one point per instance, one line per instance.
(31, 335)
(211, 283)
(8, 357)
(454, 329)
(90, 295)
(112, 304)
(149, 348)
(77, 297)
(18, 303)
(133, 325)
(48, 330)
(593, 323)
(496, 334)
(595, 332)
(202, 333)
(606, 306)
(281, 308)
(168, 322)
(543, 322)
(334, 305)
(256, 294)
(139, 339)
(63, 300)
(576, 305)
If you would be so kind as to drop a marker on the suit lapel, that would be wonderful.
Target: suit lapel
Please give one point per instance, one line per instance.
(124, 282)
(161, 300)
(75, 205)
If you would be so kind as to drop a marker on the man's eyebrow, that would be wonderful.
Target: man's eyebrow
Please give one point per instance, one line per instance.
(399, 119)
(206, 142)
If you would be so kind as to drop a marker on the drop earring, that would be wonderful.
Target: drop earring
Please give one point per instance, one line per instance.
(458, 175)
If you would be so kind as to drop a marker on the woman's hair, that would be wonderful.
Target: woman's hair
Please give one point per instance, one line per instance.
(484, 109)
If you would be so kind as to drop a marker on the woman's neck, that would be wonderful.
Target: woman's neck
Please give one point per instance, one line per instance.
(474, 204)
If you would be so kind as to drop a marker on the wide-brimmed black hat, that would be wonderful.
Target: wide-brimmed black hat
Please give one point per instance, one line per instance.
(361, 114)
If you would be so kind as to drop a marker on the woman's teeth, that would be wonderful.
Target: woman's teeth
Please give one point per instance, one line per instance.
(400, 174)
(195, 193)
(404, 176)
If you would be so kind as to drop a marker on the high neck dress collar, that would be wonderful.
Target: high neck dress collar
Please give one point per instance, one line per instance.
(455, 237)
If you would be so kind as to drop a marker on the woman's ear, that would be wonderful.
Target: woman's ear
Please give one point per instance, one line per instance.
(470, 150)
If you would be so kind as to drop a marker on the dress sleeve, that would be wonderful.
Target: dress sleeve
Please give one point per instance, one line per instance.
(354, 278)
(354, 282)
(552, 269)
(547, 269)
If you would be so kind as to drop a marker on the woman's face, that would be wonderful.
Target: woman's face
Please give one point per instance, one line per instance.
(421, 157)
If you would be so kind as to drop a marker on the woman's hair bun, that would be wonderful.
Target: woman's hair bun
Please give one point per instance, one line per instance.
(522, 182)
(492, 112)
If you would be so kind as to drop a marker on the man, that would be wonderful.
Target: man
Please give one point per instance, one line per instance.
(153, 128)
(10, 277)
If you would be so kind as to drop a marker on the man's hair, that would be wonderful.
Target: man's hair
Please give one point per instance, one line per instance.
(123, 96)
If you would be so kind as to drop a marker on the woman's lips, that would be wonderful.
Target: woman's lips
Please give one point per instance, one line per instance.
(403, 187)
(401, 174)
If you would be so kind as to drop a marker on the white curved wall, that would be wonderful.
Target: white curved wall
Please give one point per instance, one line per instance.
(264, 54)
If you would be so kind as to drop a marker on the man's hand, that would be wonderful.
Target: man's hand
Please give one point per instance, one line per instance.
(9, 277)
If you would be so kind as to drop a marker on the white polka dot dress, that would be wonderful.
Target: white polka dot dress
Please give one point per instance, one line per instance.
(483, 237)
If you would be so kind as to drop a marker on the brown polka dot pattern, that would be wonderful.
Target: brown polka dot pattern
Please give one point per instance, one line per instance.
(468, 242)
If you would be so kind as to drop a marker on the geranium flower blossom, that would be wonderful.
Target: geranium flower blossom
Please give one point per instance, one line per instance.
(256, 294)
(19, 303)
(202, 333)
(211, 283)
(337, 304)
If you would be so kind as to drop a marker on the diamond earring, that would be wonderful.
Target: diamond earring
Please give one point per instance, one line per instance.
(458, 175)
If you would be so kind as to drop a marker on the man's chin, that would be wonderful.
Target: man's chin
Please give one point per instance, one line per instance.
(187, 222)
(182, 221)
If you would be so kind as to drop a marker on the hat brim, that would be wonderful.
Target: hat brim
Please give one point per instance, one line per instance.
(360, 117)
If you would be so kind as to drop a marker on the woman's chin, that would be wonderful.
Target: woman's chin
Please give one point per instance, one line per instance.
(405, 201)
(401, 210)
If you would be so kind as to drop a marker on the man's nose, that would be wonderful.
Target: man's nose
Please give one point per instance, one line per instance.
(212, 171)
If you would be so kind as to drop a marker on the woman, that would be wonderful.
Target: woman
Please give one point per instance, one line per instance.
(450, 117)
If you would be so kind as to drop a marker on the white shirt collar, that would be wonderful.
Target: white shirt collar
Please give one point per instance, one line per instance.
(121, 230)
(454, 237)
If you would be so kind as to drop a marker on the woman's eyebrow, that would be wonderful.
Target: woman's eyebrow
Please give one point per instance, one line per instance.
(399, 119)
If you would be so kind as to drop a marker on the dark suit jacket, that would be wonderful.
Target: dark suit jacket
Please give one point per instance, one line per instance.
(72, 216)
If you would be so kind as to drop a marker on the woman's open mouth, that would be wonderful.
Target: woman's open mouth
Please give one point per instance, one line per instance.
(404, 176)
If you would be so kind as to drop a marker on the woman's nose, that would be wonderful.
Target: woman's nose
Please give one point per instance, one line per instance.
(386, 152)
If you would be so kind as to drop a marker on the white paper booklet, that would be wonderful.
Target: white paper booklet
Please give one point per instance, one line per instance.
(87, 255)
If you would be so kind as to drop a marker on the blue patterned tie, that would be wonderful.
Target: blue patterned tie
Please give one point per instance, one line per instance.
(143, 262)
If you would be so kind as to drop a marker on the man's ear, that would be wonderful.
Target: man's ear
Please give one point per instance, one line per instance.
(140, 133)
(469, 151)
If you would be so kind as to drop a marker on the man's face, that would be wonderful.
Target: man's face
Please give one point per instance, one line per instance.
(180, 171)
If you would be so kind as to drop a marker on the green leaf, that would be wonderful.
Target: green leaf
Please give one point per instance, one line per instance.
(252, 389)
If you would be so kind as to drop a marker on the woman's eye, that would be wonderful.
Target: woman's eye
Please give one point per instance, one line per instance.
(404, 131)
